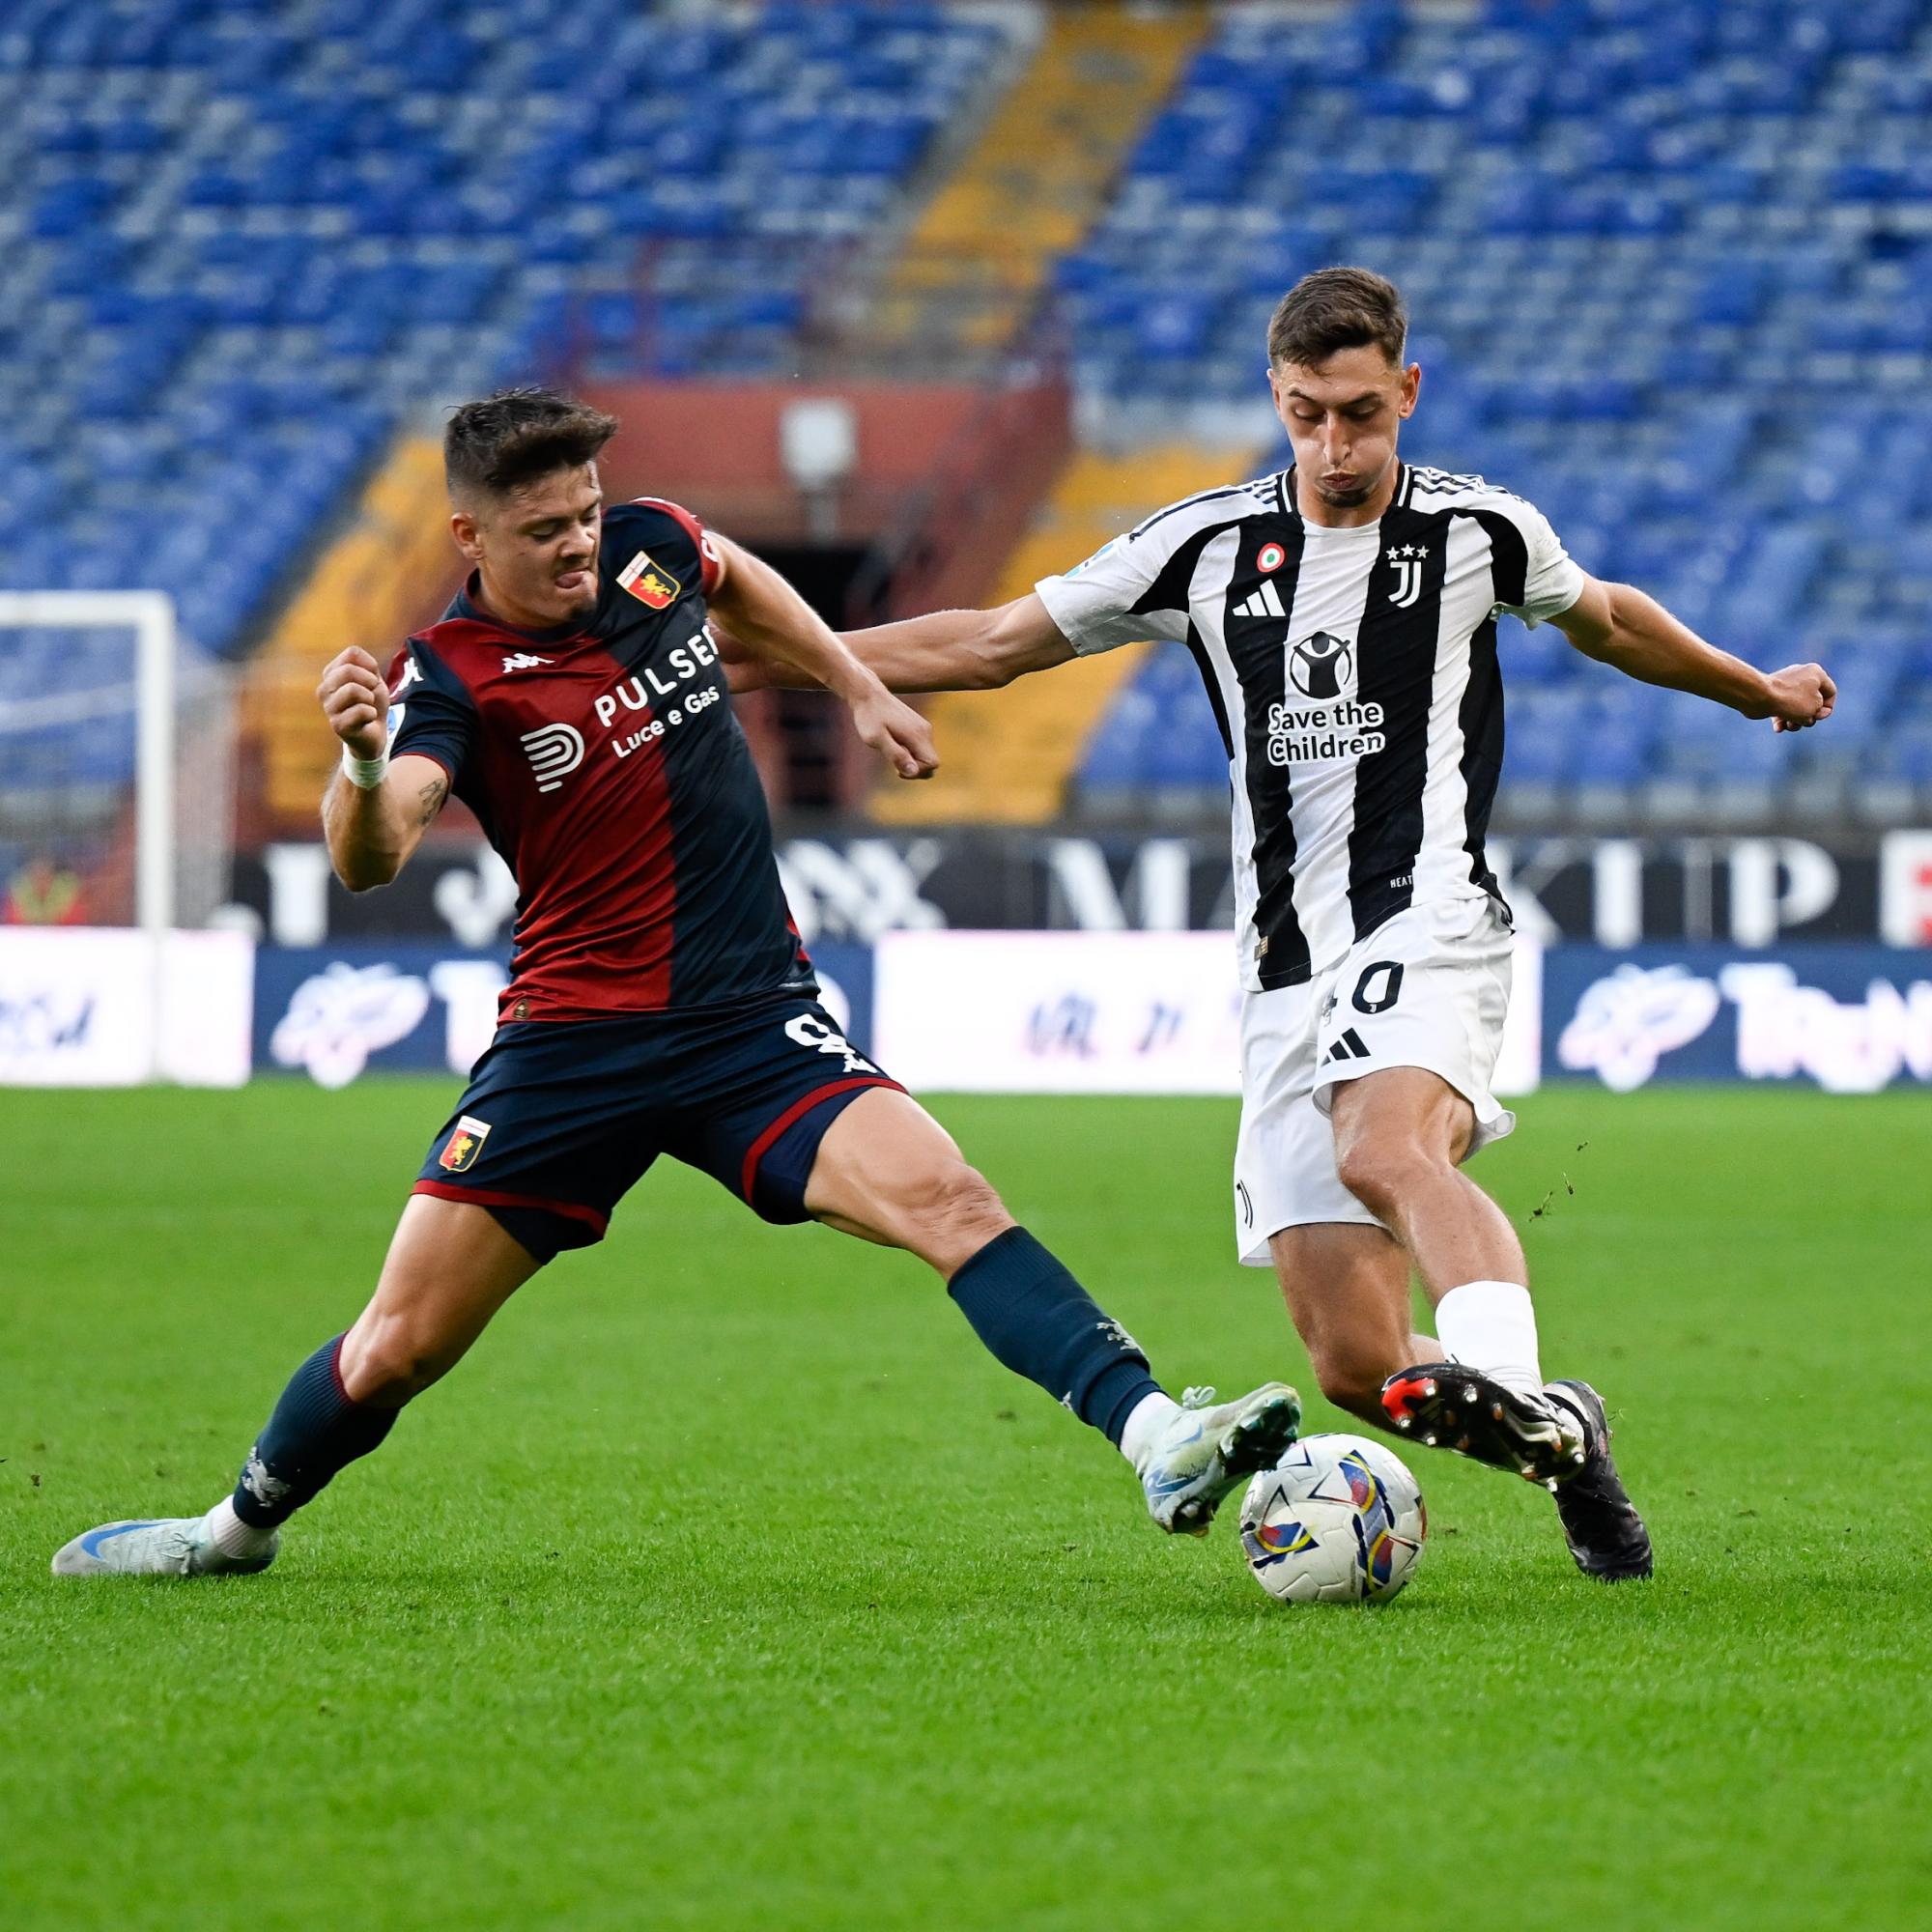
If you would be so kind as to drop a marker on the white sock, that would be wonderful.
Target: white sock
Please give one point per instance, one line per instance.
(232, 1536)
(1491, 1325)
(1145, 1426)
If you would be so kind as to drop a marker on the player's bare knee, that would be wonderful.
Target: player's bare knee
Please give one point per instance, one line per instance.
(1379, 1171)
(964, 1206)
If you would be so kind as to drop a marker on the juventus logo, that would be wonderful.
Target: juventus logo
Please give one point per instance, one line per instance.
(1408, 561)
(554, 750)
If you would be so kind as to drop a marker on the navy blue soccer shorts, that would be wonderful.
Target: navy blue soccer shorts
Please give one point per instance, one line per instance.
(562, 1118)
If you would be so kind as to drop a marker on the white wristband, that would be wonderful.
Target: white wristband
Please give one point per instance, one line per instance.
(366, 774)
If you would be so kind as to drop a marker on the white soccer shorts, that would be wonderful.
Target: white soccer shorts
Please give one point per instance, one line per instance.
(1428, 988)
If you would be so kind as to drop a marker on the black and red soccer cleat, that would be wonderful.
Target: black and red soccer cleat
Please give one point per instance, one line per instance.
(1446, 1405)
(1605, 1532)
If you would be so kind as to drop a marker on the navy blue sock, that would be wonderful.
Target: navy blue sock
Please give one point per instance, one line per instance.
(315, 1431)
(1043, 1324)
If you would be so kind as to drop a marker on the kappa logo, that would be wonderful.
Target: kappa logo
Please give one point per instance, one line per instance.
(411, 674)
(1265, 603)
(1321, 667)
(648, 584)
(525, 661)
(464, 1144)
(257, 1481)
(554, 750)
(1408, 561)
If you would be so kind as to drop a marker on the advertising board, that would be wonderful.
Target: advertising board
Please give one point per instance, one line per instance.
(1096, 1012)
(1851, 1019)
(335, 1012)
(108, 1007)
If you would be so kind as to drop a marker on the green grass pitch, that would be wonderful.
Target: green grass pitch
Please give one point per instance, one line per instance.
(728, 1584)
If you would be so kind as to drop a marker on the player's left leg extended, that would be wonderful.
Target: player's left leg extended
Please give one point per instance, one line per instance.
(888, 1172)
(449, 1268)
(1401, 1134)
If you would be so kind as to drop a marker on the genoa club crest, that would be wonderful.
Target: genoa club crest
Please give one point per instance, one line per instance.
(647, 584)
(465, 1143)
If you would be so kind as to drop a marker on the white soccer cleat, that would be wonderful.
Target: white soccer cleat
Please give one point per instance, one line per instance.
(174, 1546)
(1210, 1450)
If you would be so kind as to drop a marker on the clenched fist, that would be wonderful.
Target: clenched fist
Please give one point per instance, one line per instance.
(1800, 694)
(356, 702)
(896, 732)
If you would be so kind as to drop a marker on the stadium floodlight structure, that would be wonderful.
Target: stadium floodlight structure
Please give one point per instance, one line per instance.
(62, 704)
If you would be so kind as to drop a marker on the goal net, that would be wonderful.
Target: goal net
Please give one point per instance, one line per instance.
(117, 764)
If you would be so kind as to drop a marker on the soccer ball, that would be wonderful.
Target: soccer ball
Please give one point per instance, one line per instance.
(1337, 1520)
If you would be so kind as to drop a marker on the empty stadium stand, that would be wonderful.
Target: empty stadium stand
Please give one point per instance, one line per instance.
(1670, 273)
(1670, 263)
(247, 242)
(1008, 756)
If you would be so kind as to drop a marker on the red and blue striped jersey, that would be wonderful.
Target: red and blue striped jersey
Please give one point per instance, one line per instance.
(604, 764)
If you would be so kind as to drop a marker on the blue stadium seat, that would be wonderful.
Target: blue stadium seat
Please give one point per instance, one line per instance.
(1655, 254)
(406, 201)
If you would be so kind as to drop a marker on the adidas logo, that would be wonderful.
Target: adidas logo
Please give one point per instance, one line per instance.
(1265, 603)
(1348, 1047)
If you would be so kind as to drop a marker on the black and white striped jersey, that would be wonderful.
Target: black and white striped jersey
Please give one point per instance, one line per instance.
(1353, 675)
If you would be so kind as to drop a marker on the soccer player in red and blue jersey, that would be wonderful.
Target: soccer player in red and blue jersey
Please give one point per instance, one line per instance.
(660, 1002)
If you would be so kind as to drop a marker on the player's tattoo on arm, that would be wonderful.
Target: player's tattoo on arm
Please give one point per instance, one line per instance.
(433, 795)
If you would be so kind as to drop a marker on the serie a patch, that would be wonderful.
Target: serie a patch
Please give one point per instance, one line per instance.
(464, 1144)
(647, 584)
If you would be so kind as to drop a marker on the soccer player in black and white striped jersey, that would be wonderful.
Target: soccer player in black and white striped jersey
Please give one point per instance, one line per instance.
(1343, 614)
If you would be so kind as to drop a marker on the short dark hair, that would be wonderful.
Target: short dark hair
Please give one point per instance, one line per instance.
(518, 435)
(1334, 309)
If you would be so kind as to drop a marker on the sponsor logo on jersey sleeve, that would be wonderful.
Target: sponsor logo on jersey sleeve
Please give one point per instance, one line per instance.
(648, 584)
(464, 1144)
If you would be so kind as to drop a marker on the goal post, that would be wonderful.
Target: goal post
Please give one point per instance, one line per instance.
(117, 814)
(86, 728)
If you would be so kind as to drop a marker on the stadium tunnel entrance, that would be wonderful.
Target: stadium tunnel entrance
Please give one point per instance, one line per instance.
(939, 483)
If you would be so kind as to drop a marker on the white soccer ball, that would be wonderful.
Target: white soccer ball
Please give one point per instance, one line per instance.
(1338, 1519)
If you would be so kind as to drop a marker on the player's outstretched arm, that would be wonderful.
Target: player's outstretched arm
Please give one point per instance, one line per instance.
(372, 828)
(1620, 625)
(949, 651)
(784, 634)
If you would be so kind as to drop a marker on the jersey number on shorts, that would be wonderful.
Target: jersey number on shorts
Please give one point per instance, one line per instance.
(1369, 998)
(809, 1031)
